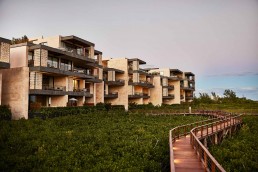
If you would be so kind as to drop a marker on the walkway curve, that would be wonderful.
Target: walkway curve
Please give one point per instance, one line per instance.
(187, 152)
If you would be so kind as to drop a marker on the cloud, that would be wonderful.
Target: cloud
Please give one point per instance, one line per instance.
(234, 74)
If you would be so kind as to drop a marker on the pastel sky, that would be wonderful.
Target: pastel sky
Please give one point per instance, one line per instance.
(217, 40)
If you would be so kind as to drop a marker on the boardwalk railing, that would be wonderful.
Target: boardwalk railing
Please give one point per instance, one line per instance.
(209, 162)
(184, 130)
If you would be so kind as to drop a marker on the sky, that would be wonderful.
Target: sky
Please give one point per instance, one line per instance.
(216, 40)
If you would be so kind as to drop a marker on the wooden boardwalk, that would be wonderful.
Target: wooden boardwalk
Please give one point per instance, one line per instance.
(185, 157)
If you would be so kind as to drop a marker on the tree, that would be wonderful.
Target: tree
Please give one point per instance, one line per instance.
(229, 94)
(215, 97)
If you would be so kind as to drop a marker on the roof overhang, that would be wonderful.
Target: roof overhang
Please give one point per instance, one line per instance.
(114, 69)
(76, 40)
(176, 71)
(96, 52)
(5, 40)
(189, 74)
(136, 59)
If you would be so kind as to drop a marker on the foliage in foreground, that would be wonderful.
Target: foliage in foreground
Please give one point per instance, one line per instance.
(94, 142)
(240, 153)
(5, 113)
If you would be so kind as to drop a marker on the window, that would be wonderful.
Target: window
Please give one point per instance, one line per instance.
(52, 62)
(76, 84)
(65, 65)
(30, 56)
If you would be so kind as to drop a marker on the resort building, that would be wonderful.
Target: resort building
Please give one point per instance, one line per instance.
(4, 61)
(137, 82)
(187, 86)
(175, 86)
(67, 71)
(41, 75)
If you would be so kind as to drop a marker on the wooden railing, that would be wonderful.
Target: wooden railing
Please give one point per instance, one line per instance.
(183, 130)
(208, 161)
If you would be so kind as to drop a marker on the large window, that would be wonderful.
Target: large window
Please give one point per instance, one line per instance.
(76, 84)
(66, 65)
(52, 62)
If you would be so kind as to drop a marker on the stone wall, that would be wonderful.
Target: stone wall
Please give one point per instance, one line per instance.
(36, 80)
(40, 57)
(16, 91)
(4, 52)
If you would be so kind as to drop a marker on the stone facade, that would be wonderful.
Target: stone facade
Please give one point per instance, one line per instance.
(4, 52)
(40, 57)
(16, 91)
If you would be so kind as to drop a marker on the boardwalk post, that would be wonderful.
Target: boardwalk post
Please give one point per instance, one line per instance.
(213, 167)
(216, 138)
(205, 160)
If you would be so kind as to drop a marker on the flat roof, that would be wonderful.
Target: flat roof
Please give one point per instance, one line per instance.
(96, 52)
(189, 73)
(113, 69)
(176, 71)
(76, 40)
(5, 40)
(147, 69)
(136, 59)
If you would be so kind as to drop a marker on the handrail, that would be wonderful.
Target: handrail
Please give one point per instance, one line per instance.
(176, 134)
(209, 162)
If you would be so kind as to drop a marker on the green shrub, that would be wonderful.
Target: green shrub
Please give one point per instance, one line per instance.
(5, 112)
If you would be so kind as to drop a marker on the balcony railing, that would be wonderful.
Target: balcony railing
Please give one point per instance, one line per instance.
(169, 96)
(74, 51)
(83, 71)
(54, 87)
(139, 94)
(86, 90)
(111, 95)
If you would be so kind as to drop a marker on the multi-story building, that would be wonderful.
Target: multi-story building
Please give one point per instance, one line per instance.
(85, 50)
(52, 77)
(114, 83)
(167, 86)
(187, 86)
(174, 85)
(68, 71)
(4, 59)
(137, 82)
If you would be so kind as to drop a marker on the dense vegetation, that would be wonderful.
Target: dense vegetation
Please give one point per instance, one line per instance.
(103, 141)
(5, 113)
(240, 152)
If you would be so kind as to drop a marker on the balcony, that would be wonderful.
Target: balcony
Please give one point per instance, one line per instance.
(169, 87)
(189, 97)
(95, 79)
(49, 90)
(111, 95)
(142, 83)
(138, 95)
(117, 82)
(74, 51)
(169, 96)
(63, 71)
(4, 65)
(80, 92)
(181, 97)
(187, 88)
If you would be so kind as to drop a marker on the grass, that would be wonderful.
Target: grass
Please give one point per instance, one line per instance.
(89, 142)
